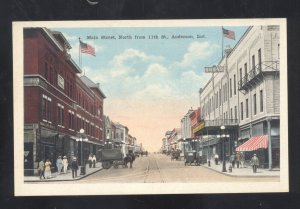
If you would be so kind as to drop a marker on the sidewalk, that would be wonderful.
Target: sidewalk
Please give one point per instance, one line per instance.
(247, 171)
(65, 176)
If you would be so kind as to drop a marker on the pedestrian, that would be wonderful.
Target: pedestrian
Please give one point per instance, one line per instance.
(41, 169)
(59, 164)
(254, 162)
(242, 157)
(216, 159)
(94, 161)
(232, 160)
(48, 169)
(238, 159)
(90, 160)
(74, 167)
(65, 164)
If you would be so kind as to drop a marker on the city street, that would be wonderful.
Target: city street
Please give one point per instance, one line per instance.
(158, 168)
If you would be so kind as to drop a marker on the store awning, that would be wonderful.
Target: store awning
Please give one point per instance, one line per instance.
(254, 143)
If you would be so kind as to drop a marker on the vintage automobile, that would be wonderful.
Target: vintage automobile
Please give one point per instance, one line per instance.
(192, 157)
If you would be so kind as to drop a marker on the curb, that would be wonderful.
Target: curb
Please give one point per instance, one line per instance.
(75, 179)
(242, 176)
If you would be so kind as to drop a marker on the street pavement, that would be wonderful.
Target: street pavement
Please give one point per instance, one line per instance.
(246, 171)
(158, 168)
(65, 176)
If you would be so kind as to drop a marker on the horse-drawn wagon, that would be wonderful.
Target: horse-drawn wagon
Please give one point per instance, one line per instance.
(114, 157)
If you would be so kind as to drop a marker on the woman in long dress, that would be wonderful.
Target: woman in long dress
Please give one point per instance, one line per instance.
(48, 169)
(65, 163)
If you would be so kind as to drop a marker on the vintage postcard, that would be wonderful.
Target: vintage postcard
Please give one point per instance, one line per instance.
(150, 107)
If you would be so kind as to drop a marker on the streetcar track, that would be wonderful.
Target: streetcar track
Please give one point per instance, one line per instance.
(157, 169)
(147, 171)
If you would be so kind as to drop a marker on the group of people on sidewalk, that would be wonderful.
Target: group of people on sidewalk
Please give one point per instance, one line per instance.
(238, 159)
(62, 165)
(92, 160)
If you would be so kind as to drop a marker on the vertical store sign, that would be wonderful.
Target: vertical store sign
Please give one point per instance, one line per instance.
(60, 81)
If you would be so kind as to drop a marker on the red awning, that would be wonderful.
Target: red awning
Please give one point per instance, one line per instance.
(254, 143)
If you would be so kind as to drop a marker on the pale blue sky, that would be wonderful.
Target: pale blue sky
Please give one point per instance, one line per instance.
(150, 81)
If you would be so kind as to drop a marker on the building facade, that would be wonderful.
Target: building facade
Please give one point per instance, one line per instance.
(57, 102)
(245, 99)
(185, 125)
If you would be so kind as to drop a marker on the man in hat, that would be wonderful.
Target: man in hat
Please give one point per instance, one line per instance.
(254, 162)
(74, 167)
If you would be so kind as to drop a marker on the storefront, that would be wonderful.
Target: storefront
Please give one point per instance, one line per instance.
(263, 134)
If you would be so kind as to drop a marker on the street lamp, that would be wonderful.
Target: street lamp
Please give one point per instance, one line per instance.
(223, 136)
(81, 139)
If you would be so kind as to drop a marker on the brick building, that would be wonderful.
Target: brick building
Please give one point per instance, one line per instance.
(245, 99)
(57, 101)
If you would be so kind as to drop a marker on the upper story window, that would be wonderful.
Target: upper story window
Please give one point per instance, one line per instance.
(230, 83)
(246, 71)
(254, 104)
(60, 115)
(234, 84)
(259, 59)
(253, 62)
(60, 81)
(235, 112)
(247, 108)
(46, 108)
(261, 101)
(46, 71)
(242, 111)
(241, 75)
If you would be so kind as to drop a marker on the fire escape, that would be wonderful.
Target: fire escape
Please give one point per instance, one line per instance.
(256, 75)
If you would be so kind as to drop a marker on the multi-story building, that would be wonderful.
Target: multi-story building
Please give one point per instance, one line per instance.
(168, 142)
(185, 124)
(122, 137)
(57, 102)
(174, 139)
(245, 99)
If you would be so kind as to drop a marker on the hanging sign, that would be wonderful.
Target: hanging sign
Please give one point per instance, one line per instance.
(214, 69)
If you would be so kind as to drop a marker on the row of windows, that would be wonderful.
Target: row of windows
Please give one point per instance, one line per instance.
(253, 66)
(222, 94)
(73, 124)
(88, 104)
(261, 105)
(65, 83)
(246, 104)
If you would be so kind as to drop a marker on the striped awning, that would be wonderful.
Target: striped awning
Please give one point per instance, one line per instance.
(254, 143)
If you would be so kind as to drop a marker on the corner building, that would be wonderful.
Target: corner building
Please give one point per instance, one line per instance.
(57, 102)
(245, 98)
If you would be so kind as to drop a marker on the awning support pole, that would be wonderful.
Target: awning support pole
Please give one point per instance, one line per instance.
(269, 143)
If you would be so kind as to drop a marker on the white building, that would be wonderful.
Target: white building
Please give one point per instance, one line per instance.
(245, 99)
(185, 124)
